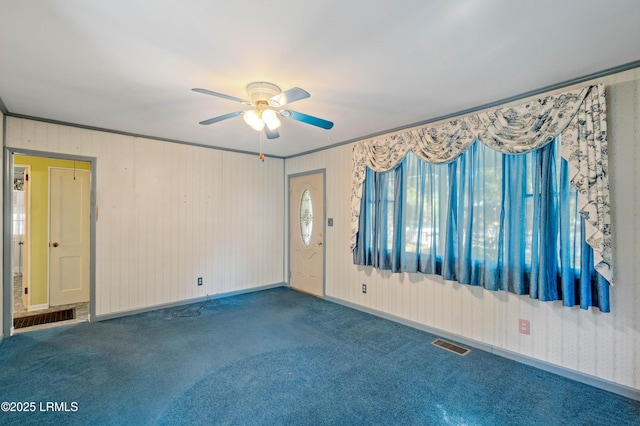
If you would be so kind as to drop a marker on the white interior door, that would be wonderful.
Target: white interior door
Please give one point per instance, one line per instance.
(69, 205)
(306, 233)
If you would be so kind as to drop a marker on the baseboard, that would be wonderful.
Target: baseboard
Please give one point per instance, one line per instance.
(578, 376)
(126, 313)
(38, 307)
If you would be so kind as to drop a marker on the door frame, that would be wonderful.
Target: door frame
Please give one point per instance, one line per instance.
(7, 278)
(324, 226)
(26, 252)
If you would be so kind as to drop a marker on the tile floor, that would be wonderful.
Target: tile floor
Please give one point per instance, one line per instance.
(19, 311)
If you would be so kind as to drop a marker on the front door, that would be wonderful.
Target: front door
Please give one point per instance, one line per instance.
(69, 217)
(306, 233)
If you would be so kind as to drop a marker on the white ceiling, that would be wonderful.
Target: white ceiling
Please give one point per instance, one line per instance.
(370, 66)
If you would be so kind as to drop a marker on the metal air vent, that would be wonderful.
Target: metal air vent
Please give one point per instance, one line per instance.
(451, 347)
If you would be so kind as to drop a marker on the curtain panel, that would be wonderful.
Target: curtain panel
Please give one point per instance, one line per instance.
(578, 116)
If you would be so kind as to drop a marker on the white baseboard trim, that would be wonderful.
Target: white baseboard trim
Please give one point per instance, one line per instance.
(578, 376)
(126, 313)
(38, 307)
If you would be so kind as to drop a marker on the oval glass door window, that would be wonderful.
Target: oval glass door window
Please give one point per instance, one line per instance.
(306, 217)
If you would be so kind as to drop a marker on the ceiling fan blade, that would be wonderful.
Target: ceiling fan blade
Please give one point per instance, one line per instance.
(271, 134)
(309, 119)
(222, 95)
(288, 96)
(221, 117)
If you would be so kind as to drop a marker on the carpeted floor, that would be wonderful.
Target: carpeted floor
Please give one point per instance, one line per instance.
(279, 357)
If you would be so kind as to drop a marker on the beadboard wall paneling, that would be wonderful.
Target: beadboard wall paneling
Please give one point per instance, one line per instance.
(606, 346)
(170, 213)
(2, 245)
(624, 132)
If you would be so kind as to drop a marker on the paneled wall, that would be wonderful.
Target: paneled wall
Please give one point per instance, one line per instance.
(606, 346)
(169, 213)
(2, 313)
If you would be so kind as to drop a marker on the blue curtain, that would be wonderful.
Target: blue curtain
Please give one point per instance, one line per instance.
(500, 221)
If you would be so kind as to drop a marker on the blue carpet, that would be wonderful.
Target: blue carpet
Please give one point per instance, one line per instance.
(280, 357)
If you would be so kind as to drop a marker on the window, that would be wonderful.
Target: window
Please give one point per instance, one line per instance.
(306, 217)
(501, 221)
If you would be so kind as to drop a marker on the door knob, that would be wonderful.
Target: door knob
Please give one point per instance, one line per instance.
(55, 244)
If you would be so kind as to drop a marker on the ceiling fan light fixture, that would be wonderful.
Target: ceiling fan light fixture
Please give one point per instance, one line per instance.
(252, 118)
(270, 118)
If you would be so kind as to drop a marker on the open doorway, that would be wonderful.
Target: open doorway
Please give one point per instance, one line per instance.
(20, 225)
(51, 241)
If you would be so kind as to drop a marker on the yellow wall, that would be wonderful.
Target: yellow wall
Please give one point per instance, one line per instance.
(39, 226)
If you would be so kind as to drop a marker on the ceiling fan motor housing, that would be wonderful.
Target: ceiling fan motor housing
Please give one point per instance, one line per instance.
(262, 91)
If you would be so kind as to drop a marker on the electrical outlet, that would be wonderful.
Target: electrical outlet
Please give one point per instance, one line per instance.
(364, 288)
(524, 326)
(199, 280)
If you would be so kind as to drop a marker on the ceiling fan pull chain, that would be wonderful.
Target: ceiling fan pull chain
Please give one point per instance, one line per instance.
(261, 146)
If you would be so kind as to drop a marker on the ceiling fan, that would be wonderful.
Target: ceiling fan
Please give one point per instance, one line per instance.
(267, 99)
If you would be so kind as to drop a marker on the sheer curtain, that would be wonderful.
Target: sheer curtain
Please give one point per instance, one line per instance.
(501, 221)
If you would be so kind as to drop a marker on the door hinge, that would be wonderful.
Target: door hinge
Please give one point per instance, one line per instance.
(289, 274)
(26, 176)
(26, 290)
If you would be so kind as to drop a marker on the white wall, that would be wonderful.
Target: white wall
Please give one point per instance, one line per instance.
(169, 213)
(606, 346)
(2, 244)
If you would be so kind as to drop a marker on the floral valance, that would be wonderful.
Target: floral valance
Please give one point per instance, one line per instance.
(579, 116)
